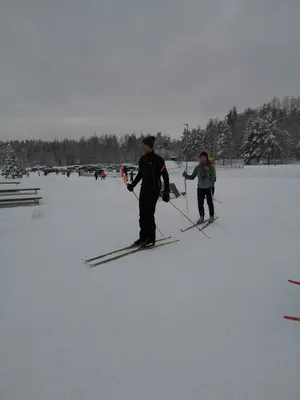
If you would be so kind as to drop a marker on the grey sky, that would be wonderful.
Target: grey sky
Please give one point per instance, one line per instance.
(72, 68)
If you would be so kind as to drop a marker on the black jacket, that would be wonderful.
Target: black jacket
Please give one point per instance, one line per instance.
(151, 168)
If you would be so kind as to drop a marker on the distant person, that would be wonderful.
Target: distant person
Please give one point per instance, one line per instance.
(96, 175)
(79, 173)
(68, 174)
(125, 171)
(212, 161)
(206, 179)
(103, 175)
(131, 175)
(151, 168)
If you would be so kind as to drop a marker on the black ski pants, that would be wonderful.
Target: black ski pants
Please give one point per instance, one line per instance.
(147, 202)
(201, 194)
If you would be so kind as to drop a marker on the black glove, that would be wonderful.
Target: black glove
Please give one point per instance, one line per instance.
(130, 187)
(184, 174)
(166, 196)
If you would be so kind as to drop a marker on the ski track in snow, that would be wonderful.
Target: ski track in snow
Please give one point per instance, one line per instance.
(200, 319)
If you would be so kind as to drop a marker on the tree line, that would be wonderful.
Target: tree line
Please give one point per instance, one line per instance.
(267, 133)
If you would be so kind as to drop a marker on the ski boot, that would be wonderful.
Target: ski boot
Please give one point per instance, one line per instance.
(200, 220)
(148, 243)
(139, 242)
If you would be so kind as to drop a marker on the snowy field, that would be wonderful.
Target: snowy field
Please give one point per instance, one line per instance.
(199, 319)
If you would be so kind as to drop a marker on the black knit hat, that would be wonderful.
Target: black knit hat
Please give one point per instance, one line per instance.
(204, 154)
(149, 141)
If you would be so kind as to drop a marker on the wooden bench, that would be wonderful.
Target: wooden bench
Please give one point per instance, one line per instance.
(19, 190)
(10, 183)
(20, 200)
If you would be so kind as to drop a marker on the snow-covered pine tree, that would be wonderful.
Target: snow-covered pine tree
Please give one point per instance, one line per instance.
(2, 153)
(162, 144)
(273, 139)
(11, 164)
(262, 139)
(190, 142)
(231, 119)
(201, 139)
(210, 138)
(224, 139)
(159, 144)
(252, 144)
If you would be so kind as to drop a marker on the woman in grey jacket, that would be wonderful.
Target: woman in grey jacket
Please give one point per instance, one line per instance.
(206, 178)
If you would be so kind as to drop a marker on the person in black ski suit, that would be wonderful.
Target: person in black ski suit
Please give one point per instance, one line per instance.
(151, 168)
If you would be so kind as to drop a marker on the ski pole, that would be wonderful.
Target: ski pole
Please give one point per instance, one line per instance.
(182, 213)
(136, 196)
(156, 225)
(186, 193)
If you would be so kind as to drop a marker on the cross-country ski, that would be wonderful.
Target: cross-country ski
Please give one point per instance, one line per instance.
(130, 247)
(193, 226)
(132, 251)
(208, 223)
(204, 224)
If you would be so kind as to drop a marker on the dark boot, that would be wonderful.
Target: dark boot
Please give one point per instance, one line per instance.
(200, 220)
(139, 242)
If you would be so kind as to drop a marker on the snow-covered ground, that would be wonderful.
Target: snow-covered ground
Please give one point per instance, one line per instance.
(199, 319)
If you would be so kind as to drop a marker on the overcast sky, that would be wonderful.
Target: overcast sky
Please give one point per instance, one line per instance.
(75, 67)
